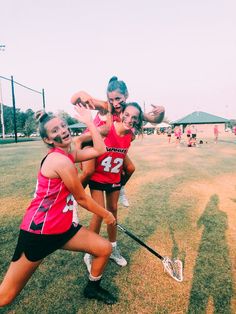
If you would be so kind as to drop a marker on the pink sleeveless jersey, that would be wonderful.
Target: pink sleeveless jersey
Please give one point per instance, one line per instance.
(109, 165)
(50, 212)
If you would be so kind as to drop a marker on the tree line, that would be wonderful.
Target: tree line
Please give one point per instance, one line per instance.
(25, 121)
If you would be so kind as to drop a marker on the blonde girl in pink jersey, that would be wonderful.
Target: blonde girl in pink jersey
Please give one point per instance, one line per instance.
(47, 224)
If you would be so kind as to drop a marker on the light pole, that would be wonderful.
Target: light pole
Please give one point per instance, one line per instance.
(2, 48)
(1, 109)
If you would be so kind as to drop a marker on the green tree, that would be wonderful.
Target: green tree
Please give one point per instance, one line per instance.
(69, 120)
(30, 126)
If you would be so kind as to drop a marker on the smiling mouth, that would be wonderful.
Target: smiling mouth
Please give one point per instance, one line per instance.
(128, 125)
(66, 137)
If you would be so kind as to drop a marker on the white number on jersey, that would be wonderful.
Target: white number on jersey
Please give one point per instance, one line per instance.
(112, 166)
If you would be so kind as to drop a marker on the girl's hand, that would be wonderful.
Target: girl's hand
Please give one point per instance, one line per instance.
(83, 114)
(84, 99)
(157, 110)
(110, 219)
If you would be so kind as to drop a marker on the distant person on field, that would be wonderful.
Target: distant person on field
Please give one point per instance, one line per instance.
(193, 135)
(188, 133)
(178, 133)
(234, 130)
(169, 133)
(216, 133)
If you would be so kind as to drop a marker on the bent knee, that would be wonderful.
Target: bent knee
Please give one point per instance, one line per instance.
(107, 248)
(113, 210)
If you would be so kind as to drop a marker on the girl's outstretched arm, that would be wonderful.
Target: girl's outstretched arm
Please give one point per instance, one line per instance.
(84, 98)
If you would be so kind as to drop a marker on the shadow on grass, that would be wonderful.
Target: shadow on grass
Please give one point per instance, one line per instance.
(212, 272)
(176, 253)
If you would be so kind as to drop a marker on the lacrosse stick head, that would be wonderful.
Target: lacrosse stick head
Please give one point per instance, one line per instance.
(174, 268)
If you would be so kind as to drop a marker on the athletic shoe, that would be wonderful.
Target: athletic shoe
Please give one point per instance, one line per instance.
(117, 257)
(122, 198)
(94, 291)
(88, 261)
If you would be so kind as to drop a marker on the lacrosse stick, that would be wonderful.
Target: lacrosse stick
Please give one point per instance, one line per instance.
(173, 267)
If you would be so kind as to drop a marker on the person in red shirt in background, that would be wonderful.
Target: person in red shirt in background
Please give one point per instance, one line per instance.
(234, 130)
(177, 133)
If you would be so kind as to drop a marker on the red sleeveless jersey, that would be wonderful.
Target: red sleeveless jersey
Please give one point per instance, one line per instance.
(99, 122)
(109, 165)
(50, 212)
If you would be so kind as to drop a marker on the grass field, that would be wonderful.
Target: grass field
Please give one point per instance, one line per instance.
(183, 204)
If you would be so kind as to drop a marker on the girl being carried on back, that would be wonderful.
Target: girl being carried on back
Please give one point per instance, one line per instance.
(109, 111)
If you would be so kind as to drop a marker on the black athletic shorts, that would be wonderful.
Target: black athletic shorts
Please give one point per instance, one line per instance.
(37, 246)
(194, 135)
(93, 185)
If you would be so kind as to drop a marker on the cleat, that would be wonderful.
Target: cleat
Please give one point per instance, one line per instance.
(88, 261)
(94, 291)
(122, 198)
(117, 257)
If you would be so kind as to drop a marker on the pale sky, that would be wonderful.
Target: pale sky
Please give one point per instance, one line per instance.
(180, 54)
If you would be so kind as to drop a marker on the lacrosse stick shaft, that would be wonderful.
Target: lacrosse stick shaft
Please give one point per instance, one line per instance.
(131, 235)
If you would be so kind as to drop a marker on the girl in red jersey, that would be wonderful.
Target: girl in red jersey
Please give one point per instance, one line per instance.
(117, 94)
(47, 223)
(108, 170)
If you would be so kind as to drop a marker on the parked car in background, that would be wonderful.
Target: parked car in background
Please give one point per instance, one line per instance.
(35, 134)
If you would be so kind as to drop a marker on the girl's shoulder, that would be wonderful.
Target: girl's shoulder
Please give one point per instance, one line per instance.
(58, 156)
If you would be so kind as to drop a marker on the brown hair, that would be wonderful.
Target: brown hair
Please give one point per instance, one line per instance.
(42, 118)
(139, 125)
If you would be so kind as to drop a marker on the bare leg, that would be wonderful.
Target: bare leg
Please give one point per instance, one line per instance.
(17, 276)
(87, 241)
(112, 200)
(96, 221)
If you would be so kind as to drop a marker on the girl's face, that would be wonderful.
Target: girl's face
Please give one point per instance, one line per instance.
(116, 99)
(58, 133)
(130, 117)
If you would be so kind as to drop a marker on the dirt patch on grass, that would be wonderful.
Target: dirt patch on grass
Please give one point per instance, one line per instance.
(11, 206)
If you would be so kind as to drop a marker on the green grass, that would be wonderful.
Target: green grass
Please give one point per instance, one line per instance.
(176, 207)
(19, 140)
